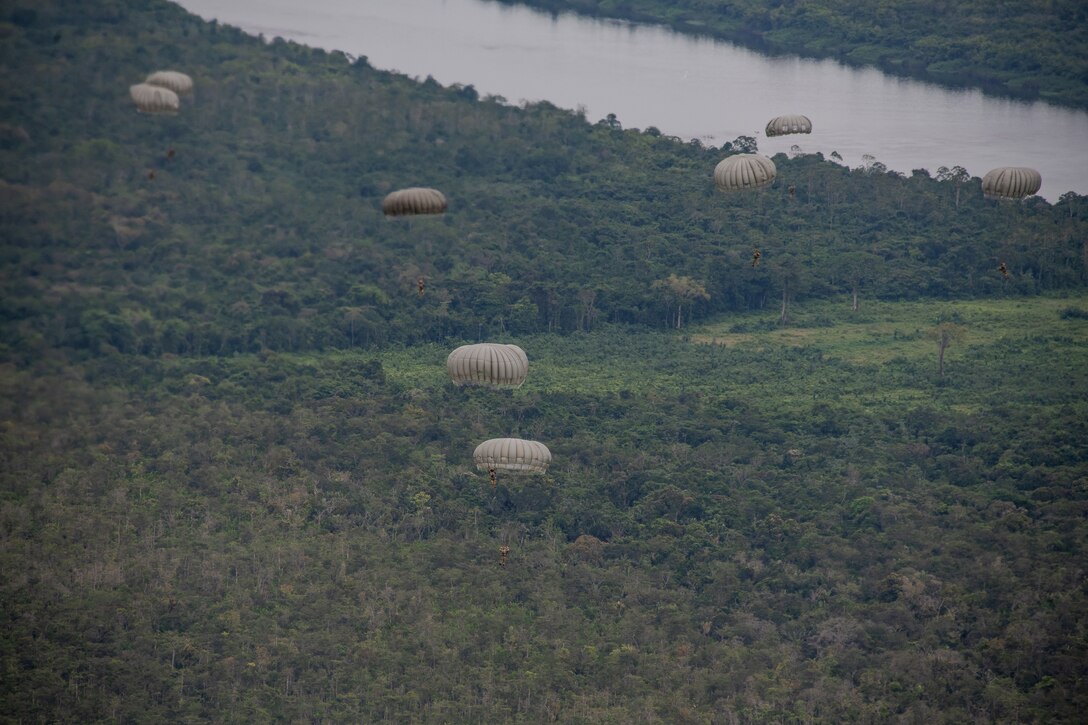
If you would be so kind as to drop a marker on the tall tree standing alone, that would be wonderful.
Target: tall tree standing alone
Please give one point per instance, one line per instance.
(352, 315)
(789, 271)
(945, 334)
(860, 268)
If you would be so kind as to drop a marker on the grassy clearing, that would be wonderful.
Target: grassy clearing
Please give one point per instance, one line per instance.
(877, 359)
(1018, 350)
(882, 331)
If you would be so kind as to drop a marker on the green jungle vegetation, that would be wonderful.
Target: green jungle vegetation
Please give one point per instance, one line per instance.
(1030, 50)
(237, 484)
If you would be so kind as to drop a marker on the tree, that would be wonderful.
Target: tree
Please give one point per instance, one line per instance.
(587, 313)
(679, 290)
(352, 315)
(789, 271)
(869, 165)
(610, 121)
(744, 145)
(957, 174)
(860, 267)
(945, 334)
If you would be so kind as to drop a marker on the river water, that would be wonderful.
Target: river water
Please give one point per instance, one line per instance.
(685, 86)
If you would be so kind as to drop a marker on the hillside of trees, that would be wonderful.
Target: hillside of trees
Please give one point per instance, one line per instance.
(1033, 51)
(264, 229)
(237, 484)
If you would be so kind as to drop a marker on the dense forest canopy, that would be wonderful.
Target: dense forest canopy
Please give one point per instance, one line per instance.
(842, 480)
(270, 206)
(1030, 50)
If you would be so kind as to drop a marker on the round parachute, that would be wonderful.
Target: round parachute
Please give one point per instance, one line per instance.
(1011, 182)
(744, 171)
(783, 125)
(153, 99)
(489, 364)
(177, 82)
(404, 202)
(512, 454)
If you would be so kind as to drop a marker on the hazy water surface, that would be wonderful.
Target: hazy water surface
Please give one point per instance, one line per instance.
(685, 86)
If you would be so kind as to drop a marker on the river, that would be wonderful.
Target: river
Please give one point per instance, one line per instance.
(686, 86)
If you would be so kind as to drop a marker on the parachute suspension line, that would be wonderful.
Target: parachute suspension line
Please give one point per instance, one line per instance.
(510, 454)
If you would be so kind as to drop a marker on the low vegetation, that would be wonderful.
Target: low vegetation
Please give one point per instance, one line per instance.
(765, 527)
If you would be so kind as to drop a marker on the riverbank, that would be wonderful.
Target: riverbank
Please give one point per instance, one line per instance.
(684, 85)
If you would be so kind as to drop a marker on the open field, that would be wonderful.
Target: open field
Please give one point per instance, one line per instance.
(881, 331)
(1019, 349)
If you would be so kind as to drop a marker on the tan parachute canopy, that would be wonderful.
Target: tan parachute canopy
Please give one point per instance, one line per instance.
(744, 171)
(177, 82)
(154, 100)
(512, 454)
(1011, 182)
(490, 364)
(414, 201)
(783, 125)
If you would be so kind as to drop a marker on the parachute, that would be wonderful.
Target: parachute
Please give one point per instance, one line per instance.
(177, 82)
(744, 171)
(512, 454)
(1011, 182)
(415, 200)
(154, 100)
(489, 364)
(783, 125)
